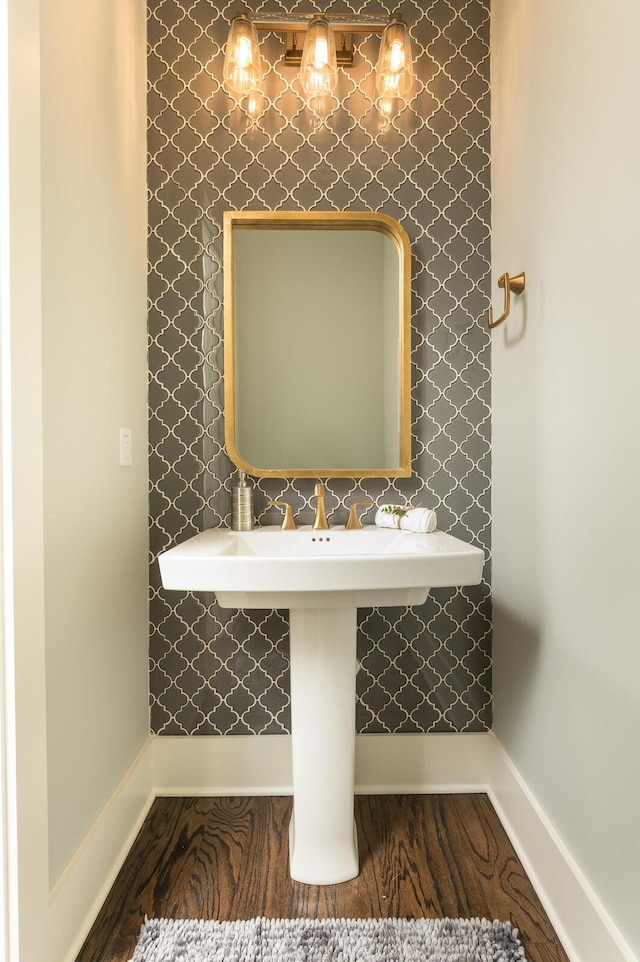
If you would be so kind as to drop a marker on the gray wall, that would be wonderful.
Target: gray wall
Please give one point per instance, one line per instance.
(93, 383)
(566, 454)
(422, 669)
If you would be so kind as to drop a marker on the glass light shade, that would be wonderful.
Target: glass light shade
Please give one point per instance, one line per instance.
(254, 105)
(242, 72)
(319, 69)
(388, 108)
(321, 106)
(394, 71)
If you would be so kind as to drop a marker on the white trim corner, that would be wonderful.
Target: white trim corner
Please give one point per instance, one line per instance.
(584, 927)
(78, 895)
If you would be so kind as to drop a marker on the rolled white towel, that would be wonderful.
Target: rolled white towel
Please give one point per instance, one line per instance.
(419, 520)
(389, 515)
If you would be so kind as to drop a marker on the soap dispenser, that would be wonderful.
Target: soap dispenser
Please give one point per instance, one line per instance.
(242, 505)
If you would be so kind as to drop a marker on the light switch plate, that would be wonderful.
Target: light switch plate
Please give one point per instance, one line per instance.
(125, 447)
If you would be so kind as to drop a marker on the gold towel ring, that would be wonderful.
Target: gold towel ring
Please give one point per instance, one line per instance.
(515, 284)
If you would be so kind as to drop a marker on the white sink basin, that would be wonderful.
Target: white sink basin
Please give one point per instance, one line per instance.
(323, 577)
(270, 568)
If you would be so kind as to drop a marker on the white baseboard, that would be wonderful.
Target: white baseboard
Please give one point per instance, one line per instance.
(77, 896)
(261, 765)
(422, 764)
(222, 765)
(586, 930)
(385, 764)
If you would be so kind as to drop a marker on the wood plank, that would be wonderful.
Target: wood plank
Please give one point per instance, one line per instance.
(421, 856)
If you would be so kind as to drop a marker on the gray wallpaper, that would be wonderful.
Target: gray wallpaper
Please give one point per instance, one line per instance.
(421, 669)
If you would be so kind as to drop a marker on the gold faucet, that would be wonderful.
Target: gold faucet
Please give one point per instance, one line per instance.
(320, 523)
(353, 521)
(289, 523)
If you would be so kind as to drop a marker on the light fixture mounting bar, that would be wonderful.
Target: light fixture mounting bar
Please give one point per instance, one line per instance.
(295, 41)
(298, 23)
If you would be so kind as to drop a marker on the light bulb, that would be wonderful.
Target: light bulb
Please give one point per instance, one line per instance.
(320, 53)
(396, 55)
(254, 105)
(242, 53)
(390, 84)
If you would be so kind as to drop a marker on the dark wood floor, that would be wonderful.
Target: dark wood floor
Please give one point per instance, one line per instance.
(421, 856)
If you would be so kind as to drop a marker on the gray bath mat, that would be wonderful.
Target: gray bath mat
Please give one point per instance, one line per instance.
(329, 940)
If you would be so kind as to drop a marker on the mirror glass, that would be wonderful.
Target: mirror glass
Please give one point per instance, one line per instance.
(316, 344)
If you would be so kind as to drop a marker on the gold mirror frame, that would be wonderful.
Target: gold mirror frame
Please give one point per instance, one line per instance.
(320, 220)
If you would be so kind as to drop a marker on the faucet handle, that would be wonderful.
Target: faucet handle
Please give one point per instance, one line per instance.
(288, 523)
(353, 521)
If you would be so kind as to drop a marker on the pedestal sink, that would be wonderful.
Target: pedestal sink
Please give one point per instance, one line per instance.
(322, 577)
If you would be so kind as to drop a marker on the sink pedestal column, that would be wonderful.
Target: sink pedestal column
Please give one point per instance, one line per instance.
(322, 839)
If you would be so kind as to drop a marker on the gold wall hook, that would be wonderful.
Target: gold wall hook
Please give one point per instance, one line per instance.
(510, 284)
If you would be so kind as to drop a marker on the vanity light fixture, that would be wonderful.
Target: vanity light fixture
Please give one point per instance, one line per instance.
(327, 45)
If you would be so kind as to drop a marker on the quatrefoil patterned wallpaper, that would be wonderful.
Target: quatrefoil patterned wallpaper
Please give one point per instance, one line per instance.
(421, 669)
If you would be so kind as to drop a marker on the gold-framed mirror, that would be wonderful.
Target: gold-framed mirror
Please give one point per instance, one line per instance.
(317, 344)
